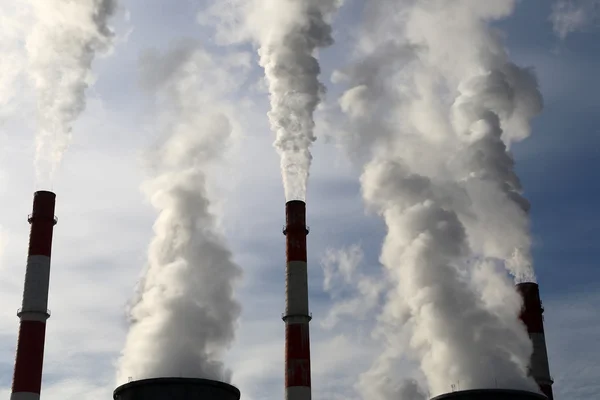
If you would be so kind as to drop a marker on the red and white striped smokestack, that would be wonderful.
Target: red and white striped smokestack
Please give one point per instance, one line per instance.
(296, 317)
(27, 378)
(531, 315)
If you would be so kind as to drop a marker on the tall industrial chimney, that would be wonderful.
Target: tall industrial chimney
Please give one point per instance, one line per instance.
(27, 378)
(531, 315)
(296, 317)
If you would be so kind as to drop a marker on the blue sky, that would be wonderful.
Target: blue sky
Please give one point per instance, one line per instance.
(106, 222)
(557, 164)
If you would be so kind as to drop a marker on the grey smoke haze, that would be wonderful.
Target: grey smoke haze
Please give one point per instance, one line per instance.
(185, 314)
(376, 383)
(353, 293)
(289, 33)
(13, 28)
(569, 16)
(65, 39)
(433, 106)
(410, 390)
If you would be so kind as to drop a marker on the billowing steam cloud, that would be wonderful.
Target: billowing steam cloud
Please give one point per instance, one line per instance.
(65, 39)
(185, 315)
(491, 106)
(426, 251)
(434, 104)
(289, 33)
(291, 69)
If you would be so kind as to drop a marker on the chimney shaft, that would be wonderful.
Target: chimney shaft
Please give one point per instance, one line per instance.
(27, 378)
(296, 317)
(531, 315)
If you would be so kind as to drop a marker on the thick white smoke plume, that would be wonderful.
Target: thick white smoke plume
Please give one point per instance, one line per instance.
(289, 33)
(287, 54)
(185, 315)
(456, 337)
(433, 105)
(65, 39)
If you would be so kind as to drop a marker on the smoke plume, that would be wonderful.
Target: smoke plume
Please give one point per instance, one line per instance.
(64, 41)
(291, 69)
(433, 105)
(289, 33)
(185, 314)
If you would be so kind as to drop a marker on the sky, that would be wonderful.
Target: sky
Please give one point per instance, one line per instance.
(106, 219)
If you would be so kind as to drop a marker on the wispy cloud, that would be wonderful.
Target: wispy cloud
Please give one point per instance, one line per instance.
(355, 295)
(570, 16)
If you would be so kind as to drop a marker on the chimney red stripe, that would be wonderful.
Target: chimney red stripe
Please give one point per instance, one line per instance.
(297, 355)
(40, 238)
(547, 390)
(42, 223)
(296, 246)
(295, 218)
(531, 315)
(30, 357)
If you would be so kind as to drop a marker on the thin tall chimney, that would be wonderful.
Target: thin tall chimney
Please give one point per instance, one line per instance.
(296, 317)
(27, 378)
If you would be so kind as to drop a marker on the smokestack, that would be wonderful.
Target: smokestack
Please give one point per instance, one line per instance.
(296, 317)
(27, 378)
(531, 315)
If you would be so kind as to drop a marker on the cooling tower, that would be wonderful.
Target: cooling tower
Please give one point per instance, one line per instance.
(491, 394)
(532, 317)
(29, 360)
(176, 389)
(296, 317)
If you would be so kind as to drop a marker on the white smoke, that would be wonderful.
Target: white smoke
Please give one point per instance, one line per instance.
(570, 16)
(434, 103)
(378, 383)
(355, 295)
(490, 107)
(289, 33)
(292, 71)
(14, 23)
(456, 337)
(65, 39)
(185, 315)
(342, 263)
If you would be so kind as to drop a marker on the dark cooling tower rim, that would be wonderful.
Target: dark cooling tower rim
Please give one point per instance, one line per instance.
(526, 284)
(469, 394)
(296, 202)
(179, 381)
